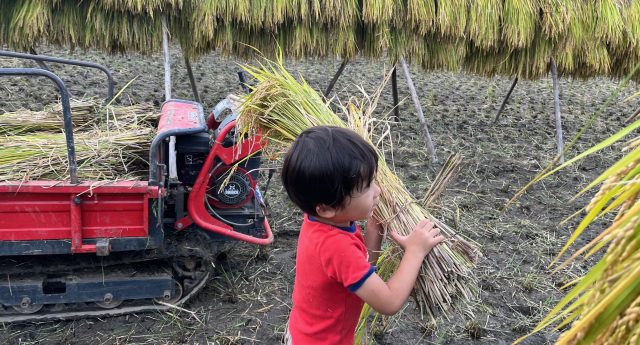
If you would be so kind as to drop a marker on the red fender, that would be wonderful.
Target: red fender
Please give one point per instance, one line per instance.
(229, 156)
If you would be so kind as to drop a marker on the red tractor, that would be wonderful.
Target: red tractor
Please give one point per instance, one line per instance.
(94, 248)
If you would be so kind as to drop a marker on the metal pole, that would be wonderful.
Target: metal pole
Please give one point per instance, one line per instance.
(416, 102)
(335, 77)
(192, 80)
(173, 169)
(40, 58)
(504, 102)
(556, 107)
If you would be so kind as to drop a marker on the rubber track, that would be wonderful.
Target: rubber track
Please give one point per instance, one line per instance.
(103, 312)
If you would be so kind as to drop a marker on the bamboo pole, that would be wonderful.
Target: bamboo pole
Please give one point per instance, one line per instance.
(192, 81)
(394, 92)
(506, 98)
(335, 77)
(42, 65)
(165, 55)
(173, 168)
(416, 102)
(556, 107)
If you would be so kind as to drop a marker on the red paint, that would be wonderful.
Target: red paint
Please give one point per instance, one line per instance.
(229, 156)
(46, 210)
(179, 115)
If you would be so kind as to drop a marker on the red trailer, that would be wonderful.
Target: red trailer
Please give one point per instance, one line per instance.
(92, 248)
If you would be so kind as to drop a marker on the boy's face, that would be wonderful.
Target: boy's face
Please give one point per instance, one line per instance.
(360, 205)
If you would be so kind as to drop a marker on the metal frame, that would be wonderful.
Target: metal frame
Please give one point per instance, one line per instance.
(41, 58)
(66, 111)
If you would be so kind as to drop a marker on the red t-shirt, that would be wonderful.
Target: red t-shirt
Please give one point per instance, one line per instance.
(331, 264)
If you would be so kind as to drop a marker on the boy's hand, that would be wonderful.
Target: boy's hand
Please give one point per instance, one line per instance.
(421, 240)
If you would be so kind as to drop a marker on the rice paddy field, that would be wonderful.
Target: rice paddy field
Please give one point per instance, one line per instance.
(248, 300)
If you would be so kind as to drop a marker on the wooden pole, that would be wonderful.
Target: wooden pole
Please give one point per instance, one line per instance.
(192, 81)
(504, 102)
(416, 102)
(167, 64)
(556, 107)
(42, 65)
(335, 78)
(394, 92)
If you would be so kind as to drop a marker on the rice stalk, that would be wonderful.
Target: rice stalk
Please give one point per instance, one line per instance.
(603, 306)
(555, 18)
(582, 23)
(483, 28)
(631, 19)
(340, 13)
(29, 22)
(448, 171)
(142, 6)
(609, 26)
(282, 107)
(452, 18)
(421, 16)
(519, 19)
(377, 11)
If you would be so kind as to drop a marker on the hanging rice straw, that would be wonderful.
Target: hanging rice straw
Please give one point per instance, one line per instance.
(282, 108)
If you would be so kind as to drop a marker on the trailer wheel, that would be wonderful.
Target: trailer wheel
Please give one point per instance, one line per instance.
(109, 303)
(171, 299)
(28, 309)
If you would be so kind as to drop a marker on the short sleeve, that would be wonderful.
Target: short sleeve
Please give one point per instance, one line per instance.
(344, 259)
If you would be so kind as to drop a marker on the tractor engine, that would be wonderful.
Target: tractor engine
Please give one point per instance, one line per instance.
(228, 187)
(232, 195)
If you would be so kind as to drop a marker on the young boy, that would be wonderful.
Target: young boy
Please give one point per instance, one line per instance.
(329, 173)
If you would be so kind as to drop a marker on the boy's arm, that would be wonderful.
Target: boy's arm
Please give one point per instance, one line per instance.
(373, 240)
(388, 298)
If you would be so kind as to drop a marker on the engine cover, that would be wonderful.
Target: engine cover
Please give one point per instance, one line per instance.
(230, 187)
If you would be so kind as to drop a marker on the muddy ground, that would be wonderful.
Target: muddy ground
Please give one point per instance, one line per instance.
(248, 302)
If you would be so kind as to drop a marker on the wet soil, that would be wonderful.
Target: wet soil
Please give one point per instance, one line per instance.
(248, 300)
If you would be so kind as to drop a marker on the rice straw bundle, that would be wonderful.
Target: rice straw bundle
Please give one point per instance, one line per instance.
(594, 37)
(441, 53)
(555, 18)
(421, 15)
(282, 108)
(519, 21)
(581, 28)
(112, 142)
(341, 13)
(29, 21)
(100, 156)
(631, 16)
(83, 114)
(49, 119)
(609, 25)
(375, 12)
(452, 17)
(483, 27)
(142, 6)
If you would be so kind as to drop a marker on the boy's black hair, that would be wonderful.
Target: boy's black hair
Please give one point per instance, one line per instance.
(326, 165)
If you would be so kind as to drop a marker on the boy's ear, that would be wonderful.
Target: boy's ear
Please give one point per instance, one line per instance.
(325, 211)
